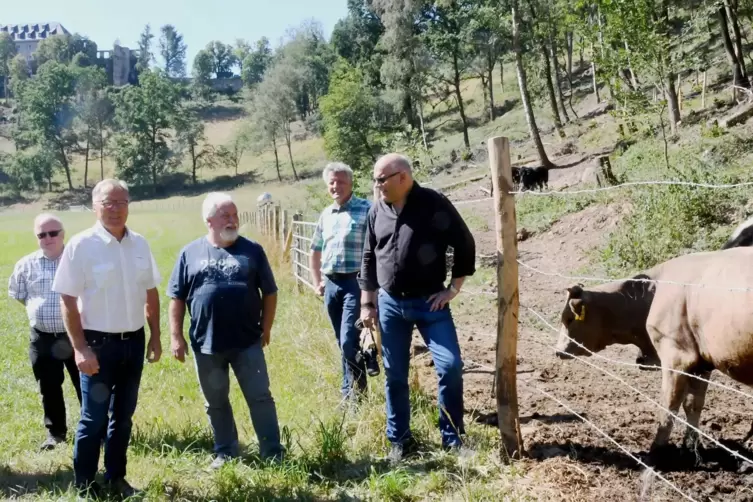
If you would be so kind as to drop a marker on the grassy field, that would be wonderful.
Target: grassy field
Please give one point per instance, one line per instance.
(333, 456)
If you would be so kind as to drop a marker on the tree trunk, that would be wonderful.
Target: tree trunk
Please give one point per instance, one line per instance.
(557, 80)
(603, 52)
(737, 74)
(569, 42)
(703, 91)
(502, 74)
(732, 15)
(580, 52)
(277, 159)
(459, 98)
(153, 160)
(633, 77)
(490, 82)
(674, 106)
(523, 84)
(66, 166)
(290, 154)
(595, 81)
(86, 158)
(101, 154)
(550, 91)
(193, 163)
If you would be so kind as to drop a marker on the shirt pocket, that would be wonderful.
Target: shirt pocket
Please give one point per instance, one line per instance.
(143, 271)
(102, 275)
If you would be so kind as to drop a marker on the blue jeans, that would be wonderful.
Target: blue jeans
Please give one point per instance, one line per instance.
(113, 389)
(250, 370)
(397, 316)
(342, 298)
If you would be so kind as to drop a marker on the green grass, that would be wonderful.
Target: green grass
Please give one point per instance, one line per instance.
(333, 457)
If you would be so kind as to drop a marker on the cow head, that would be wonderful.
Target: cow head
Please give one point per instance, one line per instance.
(581, 325)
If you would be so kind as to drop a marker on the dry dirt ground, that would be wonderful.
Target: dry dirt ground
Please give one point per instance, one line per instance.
(568, 459)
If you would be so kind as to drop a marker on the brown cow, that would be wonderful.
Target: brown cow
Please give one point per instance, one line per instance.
(689, 328)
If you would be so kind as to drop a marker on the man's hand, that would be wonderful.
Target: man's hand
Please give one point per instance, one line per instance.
(266, 337)
(154, 348)
(368, 316)
(179, 348)
(439, 300)
(320, 288)
(86, 361)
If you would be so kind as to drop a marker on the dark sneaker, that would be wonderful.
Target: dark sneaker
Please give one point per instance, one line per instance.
(121, 488)
(92, 491)
(51, 442)
(399, 451)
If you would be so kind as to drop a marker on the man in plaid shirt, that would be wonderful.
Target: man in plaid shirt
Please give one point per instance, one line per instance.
(336, 251)
(50, 350)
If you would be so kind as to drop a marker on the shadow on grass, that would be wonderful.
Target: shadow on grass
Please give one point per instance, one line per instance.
(15, 484)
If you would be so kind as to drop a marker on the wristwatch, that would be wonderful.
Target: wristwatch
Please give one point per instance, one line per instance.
(453, 289)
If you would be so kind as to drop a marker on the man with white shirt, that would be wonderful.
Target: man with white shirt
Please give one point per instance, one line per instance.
(107, 280)
(50, 350)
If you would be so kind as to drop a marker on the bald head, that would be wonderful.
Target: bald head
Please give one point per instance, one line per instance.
(393, 177)
(395, 160)
(50, 234)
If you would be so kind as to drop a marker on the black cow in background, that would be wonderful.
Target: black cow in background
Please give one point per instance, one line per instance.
(530, 178)
(742, 236)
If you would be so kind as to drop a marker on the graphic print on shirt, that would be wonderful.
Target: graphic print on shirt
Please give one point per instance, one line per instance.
(227, 270)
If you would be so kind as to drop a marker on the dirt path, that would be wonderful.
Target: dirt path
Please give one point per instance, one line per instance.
(568, 459)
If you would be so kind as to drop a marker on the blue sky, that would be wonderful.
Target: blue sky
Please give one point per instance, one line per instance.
(199, 21)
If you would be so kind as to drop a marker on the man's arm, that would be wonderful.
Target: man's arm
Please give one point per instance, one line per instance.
(176, 312)
(268, 311)
(315, 260)
(86, 360)
(17, 283)
(367, 278)
(151, 312)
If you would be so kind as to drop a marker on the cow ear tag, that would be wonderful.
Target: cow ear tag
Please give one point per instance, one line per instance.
(582, 316)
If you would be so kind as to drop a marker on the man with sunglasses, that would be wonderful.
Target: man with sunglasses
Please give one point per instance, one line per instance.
(50, 350)
(107, 282)
(403, 273)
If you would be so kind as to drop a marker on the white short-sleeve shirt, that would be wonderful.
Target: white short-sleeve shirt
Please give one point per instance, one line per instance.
(109, 278)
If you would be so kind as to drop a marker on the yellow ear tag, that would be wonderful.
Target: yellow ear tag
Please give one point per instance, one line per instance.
(582, 316)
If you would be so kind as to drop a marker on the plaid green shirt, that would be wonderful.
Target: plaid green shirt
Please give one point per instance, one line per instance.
(339, 235)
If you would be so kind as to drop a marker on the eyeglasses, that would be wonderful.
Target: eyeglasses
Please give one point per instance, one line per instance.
(51, 233)
(109, 204)
(380, 180)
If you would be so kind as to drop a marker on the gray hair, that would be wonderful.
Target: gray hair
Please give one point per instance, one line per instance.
(337, 167)
(106, 183)
(211, 201)
(44, 218)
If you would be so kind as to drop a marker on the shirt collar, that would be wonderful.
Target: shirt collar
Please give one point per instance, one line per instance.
(39, 255)
(346, 206)
(101, 232)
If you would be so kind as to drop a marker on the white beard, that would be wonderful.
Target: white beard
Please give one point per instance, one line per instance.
(229, 235)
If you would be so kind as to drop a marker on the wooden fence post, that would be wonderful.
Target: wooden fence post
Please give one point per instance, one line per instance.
(293, 255)
(507, 298)
(283, 232)
(276, 224)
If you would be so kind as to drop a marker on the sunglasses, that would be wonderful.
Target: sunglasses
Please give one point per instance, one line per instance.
(51, 233)
(380, 180)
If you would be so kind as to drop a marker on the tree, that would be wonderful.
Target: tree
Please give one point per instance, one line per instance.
(19, 73)
(490, 35)
(192, 139)
(144, 116)
(7, 53)
(448, 36)
(523, 84)
(350, 111)
(265, 129)
(223, 59)
(146, 56)
(63, 48)
(91, 110)
(276, 93)
(173, 51)
(202, 73)
(355, 38)
(47, 112)
(232, 154)
(28, 169)
(255, 64)
(241, 50)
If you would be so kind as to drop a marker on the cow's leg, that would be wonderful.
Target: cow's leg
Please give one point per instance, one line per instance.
(674, 387)
(693, 406)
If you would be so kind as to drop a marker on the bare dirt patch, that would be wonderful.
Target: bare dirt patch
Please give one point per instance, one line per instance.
(567, 458)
